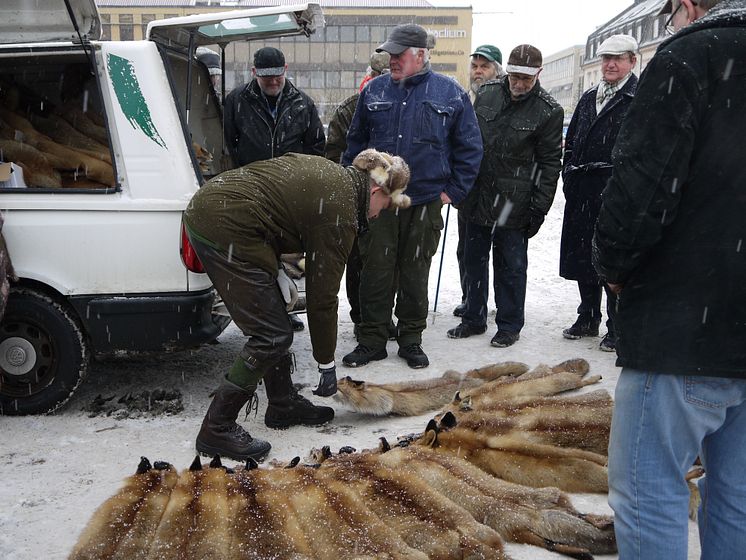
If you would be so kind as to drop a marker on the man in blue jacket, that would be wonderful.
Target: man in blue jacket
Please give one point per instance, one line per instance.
(428, 120)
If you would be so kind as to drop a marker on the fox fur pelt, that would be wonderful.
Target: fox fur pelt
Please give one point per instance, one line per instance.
(413, 398)
(409, 502)
(490, 468)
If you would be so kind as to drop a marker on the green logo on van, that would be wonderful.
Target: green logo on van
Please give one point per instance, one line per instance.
(130, 97)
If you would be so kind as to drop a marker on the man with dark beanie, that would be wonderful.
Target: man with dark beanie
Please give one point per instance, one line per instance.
(239, 224)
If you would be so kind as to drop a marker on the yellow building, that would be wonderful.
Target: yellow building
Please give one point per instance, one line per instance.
(329, 65)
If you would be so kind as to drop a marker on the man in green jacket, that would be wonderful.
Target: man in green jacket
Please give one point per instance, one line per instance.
(521, 126)
(239, 224)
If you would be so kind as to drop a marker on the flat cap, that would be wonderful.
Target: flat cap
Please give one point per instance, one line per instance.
(618, 44)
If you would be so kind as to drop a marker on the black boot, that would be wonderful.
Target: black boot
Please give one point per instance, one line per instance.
(286, 407)
(221, 435)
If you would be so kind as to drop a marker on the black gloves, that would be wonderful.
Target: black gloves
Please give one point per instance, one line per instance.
(534, 223)
(327, 382)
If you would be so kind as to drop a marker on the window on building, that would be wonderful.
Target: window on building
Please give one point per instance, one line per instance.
(347, 34)
(363, 34)
(332, 34)
(105, 27)
(303, 80)
(377, 34)
(126, 27)
(332, 53)
(333, 80)
(317, 79)
(146, 19)
(348, 80)
(302, 52)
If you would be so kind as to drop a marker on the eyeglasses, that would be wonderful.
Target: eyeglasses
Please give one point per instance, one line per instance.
(670, 30)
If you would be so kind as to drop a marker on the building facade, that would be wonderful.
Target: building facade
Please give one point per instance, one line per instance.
(562, 77)
(639, 20)
(329, 65)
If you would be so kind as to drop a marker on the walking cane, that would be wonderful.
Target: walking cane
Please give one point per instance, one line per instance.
(442, 254)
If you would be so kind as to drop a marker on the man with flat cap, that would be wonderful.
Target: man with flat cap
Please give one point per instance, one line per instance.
(587, 168)
(427, 119)
(269, 116)
(486, 65)
(521, 127)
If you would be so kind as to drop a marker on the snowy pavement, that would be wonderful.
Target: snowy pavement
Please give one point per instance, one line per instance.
(57, 469)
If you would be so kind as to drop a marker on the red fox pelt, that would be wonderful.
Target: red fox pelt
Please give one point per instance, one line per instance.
(493, 383)
(405, 503)
(413, 398)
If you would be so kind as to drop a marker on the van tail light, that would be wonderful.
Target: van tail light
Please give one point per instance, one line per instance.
(188, 255)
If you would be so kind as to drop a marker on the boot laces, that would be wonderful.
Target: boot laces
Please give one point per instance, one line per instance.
(252, 405)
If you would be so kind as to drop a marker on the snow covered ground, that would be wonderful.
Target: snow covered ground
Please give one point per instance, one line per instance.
(57, 469)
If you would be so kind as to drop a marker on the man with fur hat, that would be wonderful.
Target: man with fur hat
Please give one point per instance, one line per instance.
(427, 119)
(670, 241)
(521, 126)
(587, 168)
(239, 224)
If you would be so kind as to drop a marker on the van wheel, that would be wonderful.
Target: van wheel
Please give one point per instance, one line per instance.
(43, 353)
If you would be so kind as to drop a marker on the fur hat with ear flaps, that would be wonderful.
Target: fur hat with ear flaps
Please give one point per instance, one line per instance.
(389, 172)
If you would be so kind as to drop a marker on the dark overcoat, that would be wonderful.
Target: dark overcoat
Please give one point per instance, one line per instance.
(253, 134)
(585, 172)
(672, 226)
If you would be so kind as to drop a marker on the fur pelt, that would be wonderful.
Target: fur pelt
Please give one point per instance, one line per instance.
(418, 397)
(475, 478)
(407, 502)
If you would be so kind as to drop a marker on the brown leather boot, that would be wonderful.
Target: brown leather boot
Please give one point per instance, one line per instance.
(221, 435)
(286, 407)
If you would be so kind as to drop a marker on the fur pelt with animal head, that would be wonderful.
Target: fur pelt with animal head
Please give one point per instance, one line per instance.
(391, 173)
(450, 492)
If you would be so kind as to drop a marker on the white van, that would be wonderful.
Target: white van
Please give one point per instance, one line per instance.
(94, 228)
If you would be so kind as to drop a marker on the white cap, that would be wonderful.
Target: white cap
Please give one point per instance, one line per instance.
(618, 44)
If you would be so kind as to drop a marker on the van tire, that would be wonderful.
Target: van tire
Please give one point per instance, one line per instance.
(43, 353)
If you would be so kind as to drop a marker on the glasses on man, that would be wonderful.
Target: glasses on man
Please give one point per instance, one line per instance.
(670, 30)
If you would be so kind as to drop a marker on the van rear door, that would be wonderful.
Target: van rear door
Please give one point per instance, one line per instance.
(221, 28)
(46, 21)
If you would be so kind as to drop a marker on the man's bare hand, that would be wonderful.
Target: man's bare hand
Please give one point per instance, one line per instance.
(615, 288)
(444, 198)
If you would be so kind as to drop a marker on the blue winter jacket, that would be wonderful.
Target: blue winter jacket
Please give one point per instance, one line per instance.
(428, 120)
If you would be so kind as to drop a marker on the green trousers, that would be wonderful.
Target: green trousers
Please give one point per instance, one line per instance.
(398, 243)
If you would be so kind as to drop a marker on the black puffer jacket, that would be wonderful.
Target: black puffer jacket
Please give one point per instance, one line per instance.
(253, 135)
(672, 226)
(586, 170)
(522, 156)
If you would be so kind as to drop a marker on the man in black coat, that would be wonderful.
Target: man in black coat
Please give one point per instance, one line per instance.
(587, 168)
(269, 116)
(671, 240)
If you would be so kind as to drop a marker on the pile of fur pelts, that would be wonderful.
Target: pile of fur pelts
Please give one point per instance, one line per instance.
(491, 467)
(66, 148)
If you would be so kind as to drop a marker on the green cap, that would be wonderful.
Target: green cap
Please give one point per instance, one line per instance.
(490, 52)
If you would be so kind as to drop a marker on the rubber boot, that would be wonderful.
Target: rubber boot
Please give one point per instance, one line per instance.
(286, 407)
(221, 435)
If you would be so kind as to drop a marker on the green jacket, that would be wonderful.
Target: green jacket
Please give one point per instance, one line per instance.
(291, 204)
(336, 143)
(522, 156)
